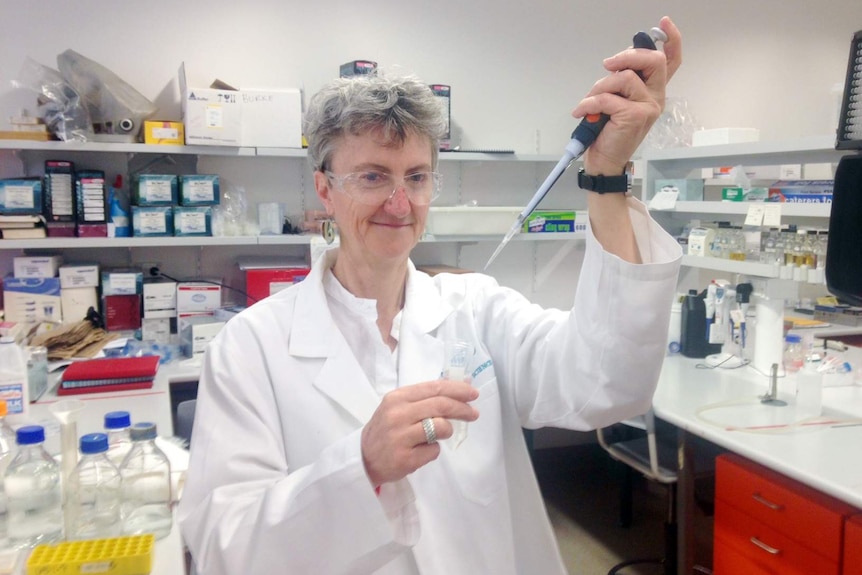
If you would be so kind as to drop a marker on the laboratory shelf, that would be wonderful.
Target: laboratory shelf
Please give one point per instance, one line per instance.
(130, 148)
(561, 236)
(811, 150)
(741, 208)
(731, 266)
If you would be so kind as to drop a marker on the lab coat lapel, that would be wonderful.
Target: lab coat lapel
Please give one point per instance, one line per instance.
(314, 335)
(421, 353)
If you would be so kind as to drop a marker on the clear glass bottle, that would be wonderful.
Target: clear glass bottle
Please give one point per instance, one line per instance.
(146, 474)
(7, 452)
(93, 497)
(34, 498)
(117, 427)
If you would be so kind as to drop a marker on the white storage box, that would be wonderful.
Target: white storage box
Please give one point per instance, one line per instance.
(470, 220)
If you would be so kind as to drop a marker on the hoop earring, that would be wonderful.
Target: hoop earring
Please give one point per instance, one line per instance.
(327, 230)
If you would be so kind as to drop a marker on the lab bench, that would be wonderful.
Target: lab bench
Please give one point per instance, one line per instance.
(722, 406)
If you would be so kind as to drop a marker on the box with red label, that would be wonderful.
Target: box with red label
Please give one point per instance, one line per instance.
(121, 312)
(264, 282)
(198, 296)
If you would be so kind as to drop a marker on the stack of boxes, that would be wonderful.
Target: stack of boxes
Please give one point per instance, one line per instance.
(169, 205)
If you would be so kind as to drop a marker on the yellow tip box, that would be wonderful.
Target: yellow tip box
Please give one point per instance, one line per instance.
(132, 555)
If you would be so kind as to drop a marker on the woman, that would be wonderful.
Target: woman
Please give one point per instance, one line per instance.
(321, 409)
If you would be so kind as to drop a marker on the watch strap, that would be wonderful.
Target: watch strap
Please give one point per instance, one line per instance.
(603, 184)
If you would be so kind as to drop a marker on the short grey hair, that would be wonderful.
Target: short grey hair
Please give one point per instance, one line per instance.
(399, 105)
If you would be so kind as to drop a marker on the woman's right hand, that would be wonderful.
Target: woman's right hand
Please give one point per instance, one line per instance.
(393, 440)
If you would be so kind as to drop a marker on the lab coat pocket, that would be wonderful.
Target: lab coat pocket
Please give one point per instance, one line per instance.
(478, 462)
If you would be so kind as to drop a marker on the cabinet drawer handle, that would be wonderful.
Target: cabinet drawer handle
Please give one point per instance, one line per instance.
(765, 547)
(774, 506)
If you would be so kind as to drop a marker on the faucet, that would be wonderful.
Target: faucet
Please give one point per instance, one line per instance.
(771, 396)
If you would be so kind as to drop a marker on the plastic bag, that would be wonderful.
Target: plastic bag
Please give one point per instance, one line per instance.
(674, 127)
(115, 107)
(230, 217)
(59, 104)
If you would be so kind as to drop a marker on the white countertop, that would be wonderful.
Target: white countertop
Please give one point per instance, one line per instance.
(722, 406)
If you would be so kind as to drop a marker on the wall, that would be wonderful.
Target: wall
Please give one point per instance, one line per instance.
(516, 69)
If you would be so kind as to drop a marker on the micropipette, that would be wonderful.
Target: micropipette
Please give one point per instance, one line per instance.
(584, 135)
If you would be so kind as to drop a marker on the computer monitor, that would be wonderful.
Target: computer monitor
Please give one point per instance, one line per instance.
(844, 250)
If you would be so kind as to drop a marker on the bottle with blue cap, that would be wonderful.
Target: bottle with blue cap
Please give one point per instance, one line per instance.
(146, 474)
(117, 428)
(33, 492)
(93, 497)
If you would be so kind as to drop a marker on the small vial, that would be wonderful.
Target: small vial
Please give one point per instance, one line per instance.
(794, 356)
(458, 355)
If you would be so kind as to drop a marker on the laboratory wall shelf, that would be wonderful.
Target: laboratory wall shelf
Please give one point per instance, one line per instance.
(732, 266)
(741, 208)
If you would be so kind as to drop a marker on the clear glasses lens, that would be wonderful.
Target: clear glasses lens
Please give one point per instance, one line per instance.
(374, 188)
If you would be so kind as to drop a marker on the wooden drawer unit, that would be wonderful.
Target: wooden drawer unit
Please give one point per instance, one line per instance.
(779, 525)
(853, 546)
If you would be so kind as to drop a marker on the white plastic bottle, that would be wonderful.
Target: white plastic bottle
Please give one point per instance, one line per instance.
(146, 474)
(809, 388)
(93, 495)
(117, 427)
(13, 377)
(7, 452)
(32, 484)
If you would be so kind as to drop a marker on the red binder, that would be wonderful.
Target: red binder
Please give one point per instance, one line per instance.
(109, 374)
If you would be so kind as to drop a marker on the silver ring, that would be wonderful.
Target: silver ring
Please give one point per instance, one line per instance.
(430, 432)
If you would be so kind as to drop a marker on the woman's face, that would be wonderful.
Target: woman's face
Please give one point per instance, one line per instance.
(384, 233)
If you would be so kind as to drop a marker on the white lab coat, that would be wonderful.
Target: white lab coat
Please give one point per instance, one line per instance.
(276, 483)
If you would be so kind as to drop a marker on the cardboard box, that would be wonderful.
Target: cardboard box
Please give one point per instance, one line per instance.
(211, 116)
(262, 283)
(164, 133)
(156, 329)
(802, 191)
(90, 204)
(199, 190)
(193, 221)
(196, 334)
(222, 115)
(155, 190)
(152, 221)
(21, 196)
(121, 312)
(550, 221)
(36, 266)
(195, 296)
(79, 275)
(160, 299)
(122, 281)
(77, 301)
(29, 300)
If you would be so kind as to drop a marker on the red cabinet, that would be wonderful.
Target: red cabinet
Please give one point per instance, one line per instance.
(766, 523)
(853, 546)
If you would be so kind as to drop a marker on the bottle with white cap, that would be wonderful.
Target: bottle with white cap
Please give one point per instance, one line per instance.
(146, 474)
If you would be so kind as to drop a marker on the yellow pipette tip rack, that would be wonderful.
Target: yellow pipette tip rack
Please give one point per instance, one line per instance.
(132, 555)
